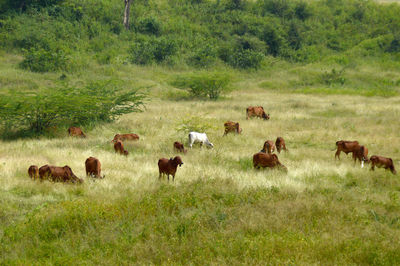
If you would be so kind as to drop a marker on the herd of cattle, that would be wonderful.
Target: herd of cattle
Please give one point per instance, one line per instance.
(264, 158)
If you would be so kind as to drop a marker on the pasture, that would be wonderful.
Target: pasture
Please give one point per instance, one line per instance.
(219, 210)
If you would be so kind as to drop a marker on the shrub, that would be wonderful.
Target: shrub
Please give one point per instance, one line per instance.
(149, 26)
(246, 59)
(40, 60)
(146, 51)
(64, 106)
(333, 77)
(197, 124)
(203, 56)
(204, 84)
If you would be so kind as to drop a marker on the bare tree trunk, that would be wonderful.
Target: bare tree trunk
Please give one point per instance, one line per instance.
(126, 13)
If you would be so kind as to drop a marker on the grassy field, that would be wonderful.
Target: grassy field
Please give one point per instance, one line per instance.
(219, 210)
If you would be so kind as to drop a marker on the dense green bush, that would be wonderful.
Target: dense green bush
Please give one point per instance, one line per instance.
(41, 60)
(204, 84)
(36, 112)
(149, 25)
(148, 50)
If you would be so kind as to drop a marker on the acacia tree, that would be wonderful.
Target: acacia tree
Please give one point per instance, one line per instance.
(126, 13)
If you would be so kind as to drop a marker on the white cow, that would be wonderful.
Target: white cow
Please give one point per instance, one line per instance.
(199, 137)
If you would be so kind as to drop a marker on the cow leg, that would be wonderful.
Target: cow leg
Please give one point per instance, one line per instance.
(201, 144)
(337, 154)
(168, 177)
(159, 176)
(362, 163)
(372, 166)
(173, 178)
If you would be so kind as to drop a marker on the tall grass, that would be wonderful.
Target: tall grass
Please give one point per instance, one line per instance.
(219, 210)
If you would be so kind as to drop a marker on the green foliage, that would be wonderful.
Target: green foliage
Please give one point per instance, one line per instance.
(149, 25)
(22, 5)
(148, 50)
(333, 77)
(36, 112)
(41, 60)
(194, 123)
(204, 84)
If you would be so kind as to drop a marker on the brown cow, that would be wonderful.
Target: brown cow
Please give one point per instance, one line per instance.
(76, 132)
(269, 147)
(232, 127)
(384, 162)
(119, 147)
(168, 167)
(179, 147)
(33, 172)
(123, 137)
(280, 144)
(257, 111)
(58, 174)
(362, 155)
(346, 147)
(263, 160)
(93, 167)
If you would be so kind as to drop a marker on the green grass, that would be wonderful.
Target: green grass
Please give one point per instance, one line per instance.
(219, 210)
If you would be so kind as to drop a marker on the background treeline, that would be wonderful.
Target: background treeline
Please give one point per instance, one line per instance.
(66, 34)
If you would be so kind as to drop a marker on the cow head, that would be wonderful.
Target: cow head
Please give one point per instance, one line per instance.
(265, 116)
(177, 161)
(126, 153)
(116, 138)
(210, 145)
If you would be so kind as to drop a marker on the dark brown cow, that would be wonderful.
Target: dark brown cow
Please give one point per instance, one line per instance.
(179, 147)
(280, 144)
(346, 147)
(119, 147)
(76, 132)
(168, 167)
(122, 137)
(33, 172)
(93, 167)
(58, 174)
(269, 147)
(361, 154)
(384, 162)
(263, 160)
(232, 127)
(257, 111)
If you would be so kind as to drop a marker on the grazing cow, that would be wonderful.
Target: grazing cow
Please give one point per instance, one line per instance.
(269, 147)
(199, 137)
(179, 147)
(384, 162)
(263, 160)
(280, 144)
(346, 147)
(119, 147)
(123, 137)
(361, 154)
(76, 132)
(232, 127)
(257, 111)
(168, 167)
(93, 167)
(58, 174)
(33, 172)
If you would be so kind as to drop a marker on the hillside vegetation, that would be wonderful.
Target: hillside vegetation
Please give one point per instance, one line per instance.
(324, 71)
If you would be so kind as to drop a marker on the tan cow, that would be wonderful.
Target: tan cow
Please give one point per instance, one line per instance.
(76, 132)
(232, 127)
(269, 147)
(119, 147)
(123, 137)
(257, 111)
(168, 167)
(93, 167)
(58, 174)
(280, 144)
(380, 161)
(346, 147)
(263, 160)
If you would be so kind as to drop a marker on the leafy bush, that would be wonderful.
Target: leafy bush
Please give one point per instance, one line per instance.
(40, 60)
(197, 124)
(148, 50)
(333, 77)
(204, 84)
(38, 111)
(246, 59)
(203, 56)
(22, 5)
(149, 25)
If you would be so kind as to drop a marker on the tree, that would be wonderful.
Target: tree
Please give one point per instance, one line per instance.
(126, 13)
